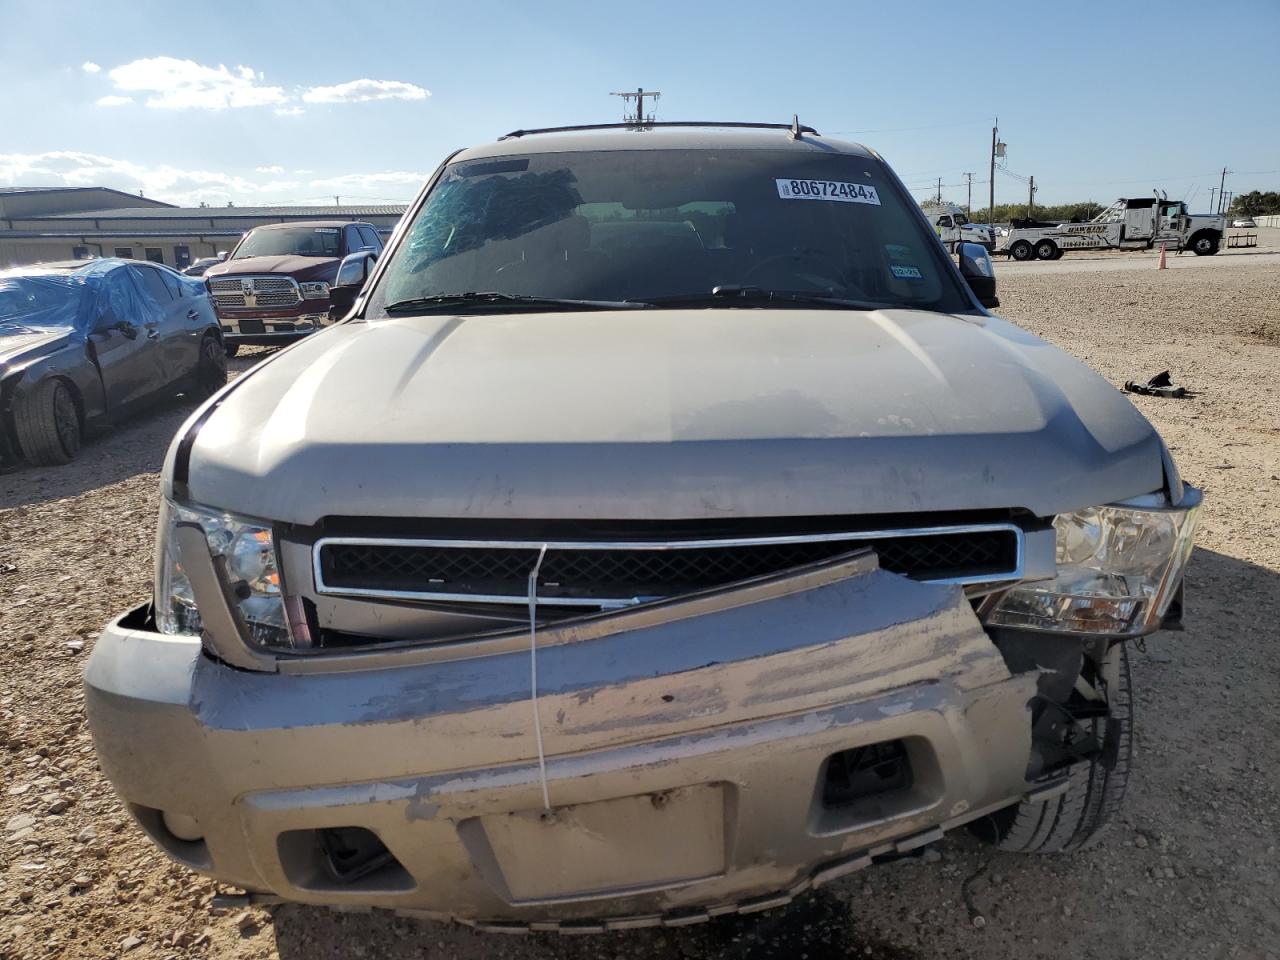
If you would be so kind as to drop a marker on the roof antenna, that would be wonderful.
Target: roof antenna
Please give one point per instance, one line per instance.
(795, 126)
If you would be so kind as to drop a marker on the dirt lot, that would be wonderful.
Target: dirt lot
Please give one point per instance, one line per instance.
(1189, 871)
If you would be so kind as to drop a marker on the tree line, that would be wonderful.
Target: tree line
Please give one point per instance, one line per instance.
(1255, 203)
(1078, 212)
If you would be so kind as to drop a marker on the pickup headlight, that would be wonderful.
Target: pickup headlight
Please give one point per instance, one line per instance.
(249, 567)
(1119, 567)
(314, 290)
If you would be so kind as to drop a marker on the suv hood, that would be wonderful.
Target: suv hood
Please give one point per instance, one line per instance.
(296, 266)
(670, 414)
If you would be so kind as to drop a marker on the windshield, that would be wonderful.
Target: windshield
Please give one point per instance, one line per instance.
(961, 220)
(293, 241)
(648, 225)
(41, 301)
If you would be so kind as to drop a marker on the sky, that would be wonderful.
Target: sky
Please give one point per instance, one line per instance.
(301, 102)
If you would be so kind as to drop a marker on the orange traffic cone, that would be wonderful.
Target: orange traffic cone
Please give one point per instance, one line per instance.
(1163, 265)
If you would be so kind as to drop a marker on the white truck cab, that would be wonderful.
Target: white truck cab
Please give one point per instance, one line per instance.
(952, 225)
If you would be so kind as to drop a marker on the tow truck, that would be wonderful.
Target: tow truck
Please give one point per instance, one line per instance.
(1132, 223)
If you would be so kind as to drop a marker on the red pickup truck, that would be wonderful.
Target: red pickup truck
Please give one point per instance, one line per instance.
(274, 288)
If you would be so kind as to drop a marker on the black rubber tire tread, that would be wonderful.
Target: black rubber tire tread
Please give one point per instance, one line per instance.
(1046, 245)
(35, 422)
(1076, 818)
(232, 349)
(1021, 250)
(211, 368)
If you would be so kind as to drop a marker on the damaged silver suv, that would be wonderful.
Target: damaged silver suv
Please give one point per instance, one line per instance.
(666, 530)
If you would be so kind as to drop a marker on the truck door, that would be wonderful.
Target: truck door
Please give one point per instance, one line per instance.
(1139, 222)
(128, 359)
(946, 230)
(1171, 226)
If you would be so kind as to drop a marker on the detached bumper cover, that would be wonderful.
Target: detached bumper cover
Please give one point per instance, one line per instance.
(685, 744)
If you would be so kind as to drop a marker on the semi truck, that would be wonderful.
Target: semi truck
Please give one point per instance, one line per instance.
(952, 225)
(1131, 223)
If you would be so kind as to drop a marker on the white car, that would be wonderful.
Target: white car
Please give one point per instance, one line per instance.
(1245, 222)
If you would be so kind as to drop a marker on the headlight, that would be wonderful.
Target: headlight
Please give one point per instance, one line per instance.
(314, 290)
(252, 575)
(1119, 567)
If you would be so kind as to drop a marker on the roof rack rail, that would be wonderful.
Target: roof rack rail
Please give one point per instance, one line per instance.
(795, 128)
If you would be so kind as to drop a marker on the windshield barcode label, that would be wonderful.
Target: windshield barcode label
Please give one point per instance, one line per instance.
(827, 190)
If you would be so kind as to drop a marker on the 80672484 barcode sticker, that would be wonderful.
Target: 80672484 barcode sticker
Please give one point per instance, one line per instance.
(837, 190)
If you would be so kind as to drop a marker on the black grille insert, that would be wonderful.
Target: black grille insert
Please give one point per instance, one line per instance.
(571, 573)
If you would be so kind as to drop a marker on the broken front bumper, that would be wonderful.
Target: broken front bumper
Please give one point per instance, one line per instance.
(688, 747)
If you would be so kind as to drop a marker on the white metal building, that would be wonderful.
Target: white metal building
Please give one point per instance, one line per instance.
(41, 224)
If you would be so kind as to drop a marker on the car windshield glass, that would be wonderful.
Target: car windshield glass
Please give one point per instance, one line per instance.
(961, 220)
(293, 241)
(652, 225)
(41, 301)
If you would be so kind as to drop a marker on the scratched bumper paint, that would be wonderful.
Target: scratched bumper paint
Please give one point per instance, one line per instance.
(686, 746)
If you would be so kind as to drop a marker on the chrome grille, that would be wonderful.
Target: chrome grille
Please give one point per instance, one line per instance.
(615, 574)
(241, 292)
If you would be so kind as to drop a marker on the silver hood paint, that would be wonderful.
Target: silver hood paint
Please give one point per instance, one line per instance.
(670, 414)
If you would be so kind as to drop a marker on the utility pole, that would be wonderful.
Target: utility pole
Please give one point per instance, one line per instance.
(638, 120)
(968, 206)
(1213, 192)
(1221, 187)
(939, 189)
(1031, 199)
(997, 150)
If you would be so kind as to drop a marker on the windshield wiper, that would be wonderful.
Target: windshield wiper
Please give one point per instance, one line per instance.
(736, 295)
(493, 298)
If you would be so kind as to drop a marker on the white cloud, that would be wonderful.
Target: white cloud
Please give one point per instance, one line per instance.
(187, 187)
(174, 84)
(391, 178)
(111, 100)
(304, 172)
(273, 169)
(90, 67)
(293, 111)
(359, 91)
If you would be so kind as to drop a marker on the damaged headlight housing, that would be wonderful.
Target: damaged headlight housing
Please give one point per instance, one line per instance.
(248, 566)
(1119, 567)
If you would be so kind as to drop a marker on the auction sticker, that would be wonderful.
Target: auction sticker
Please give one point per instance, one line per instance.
(903, 272)
(837, 190)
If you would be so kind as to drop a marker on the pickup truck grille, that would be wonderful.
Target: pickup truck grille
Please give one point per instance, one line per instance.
(238, 293)
(617, 574)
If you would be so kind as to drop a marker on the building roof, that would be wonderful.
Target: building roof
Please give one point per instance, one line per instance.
(345, 213)
(20, 190)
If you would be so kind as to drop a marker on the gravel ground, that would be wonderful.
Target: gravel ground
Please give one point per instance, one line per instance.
(1189, 871)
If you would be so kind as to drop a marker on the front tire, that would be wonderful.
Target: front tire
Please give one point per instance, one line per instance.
(231, 349)
(1022, 251)
(1075, 818)
(1046, 250)
(1204, 245)
(48, 424)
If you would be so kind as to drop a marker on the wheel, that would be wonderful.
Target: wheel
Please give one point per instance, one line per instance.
(211, 368)
(1204, 245)
(231, 349)
(48, 424)
(1046, 249)
(1057, 253)
(1075, 818)
(1021, 251)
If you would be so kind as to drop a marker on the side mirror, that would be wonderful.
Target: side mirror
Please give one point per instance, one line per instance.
(353, 271)
(978, 272)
